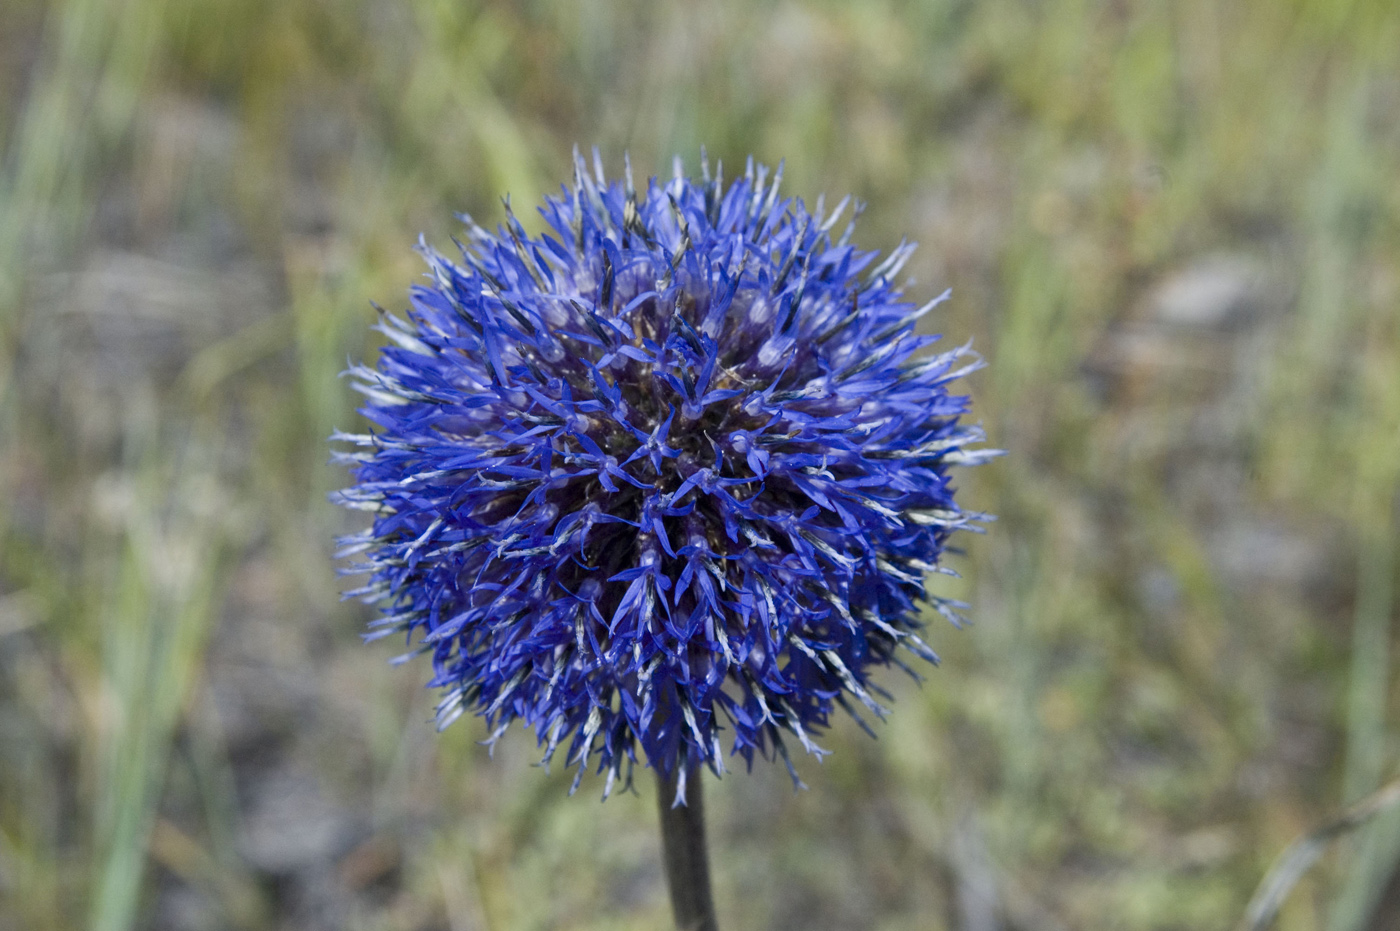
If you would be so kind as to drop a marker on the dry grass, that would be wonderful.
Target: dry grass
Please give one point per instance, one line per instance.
(1173, 229)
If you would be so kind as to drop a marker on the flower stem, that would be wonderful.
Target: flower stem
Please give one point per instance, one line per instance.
(687, 862)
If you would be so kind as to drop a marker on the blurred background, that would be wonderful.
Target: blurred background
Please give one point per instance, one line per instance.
(1173, 228)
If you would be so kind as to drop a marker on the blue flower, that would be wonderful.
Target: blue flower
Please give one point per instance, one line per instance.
(669, 480)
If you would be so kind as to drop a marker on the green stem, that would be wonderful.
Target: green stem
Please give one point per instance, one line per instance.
(687, 863)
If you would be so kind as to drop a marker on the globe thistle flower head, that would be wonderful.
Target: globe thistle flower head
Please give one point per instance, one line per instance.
(663, 483)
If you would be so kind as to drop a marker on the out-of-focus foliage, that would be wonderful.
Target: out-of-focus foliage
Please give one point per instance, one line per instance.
(1173, 227)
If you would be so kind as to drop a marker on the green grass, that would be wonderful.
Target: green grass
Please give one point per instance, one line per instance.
(1142, 716)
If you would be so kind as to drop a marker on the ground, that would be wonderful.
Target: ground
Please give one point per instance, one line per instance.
(1172, 230)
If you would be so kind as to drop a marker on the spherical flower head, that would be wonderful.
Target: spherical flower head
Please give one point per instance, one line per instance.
(668, 480)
